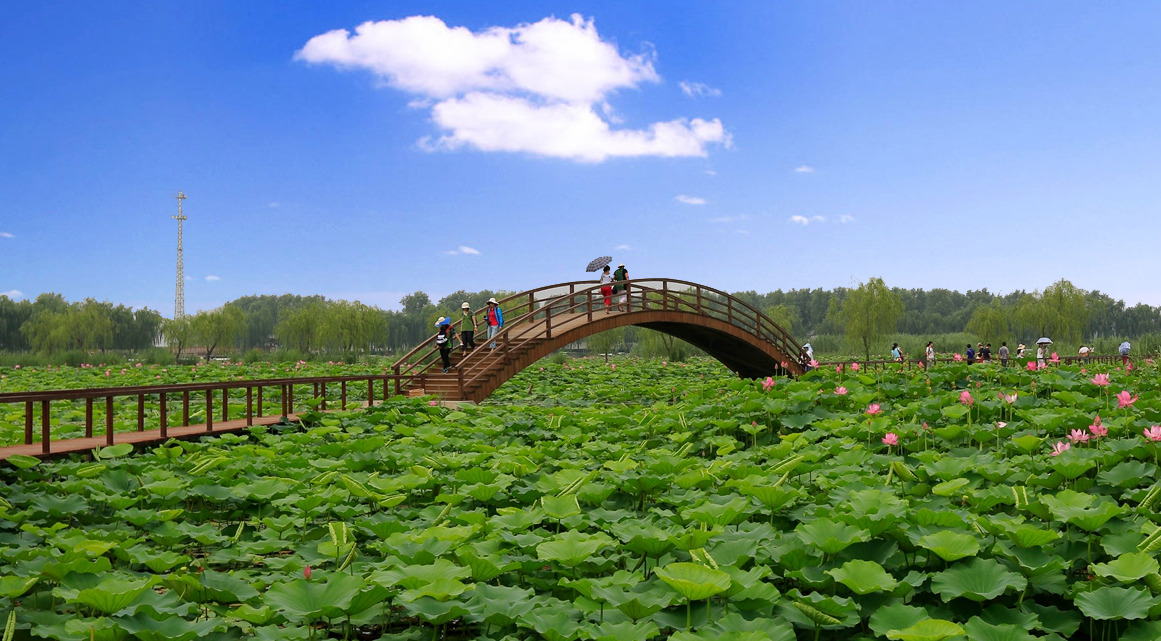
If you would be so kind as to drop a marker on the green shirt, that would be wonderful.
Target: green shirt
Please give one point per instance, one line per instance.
(620, 274)
(469, 323)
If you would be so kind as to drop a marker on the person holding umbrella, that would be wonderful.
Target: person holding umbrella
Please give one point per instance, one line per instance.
(1041, 350)
(1125, 346)
(607, 289)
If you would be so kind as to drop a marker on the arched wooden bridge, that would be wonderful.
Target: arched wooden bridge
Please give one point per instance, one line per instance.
(540, 321)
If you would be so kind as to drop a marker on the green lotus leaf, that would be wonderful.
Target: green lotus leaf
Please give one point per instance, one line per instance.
(256, 616)
(146, 628)
(863, 577)
(560, 507)
(1110, 603)
(1127, 568)
(949, 488)
(1028, 536)
(555, 624)
(15, 586)
(693, 581)
(1126, 474)
(976, 579)
(435, 612)
(113, 594)
(500, 605)
(23, 461)
(1142, 631)
(572, 548)
(305, 600)
(830, 536)
(115, 451)
(1028, 443)
(625, 631)
(979, 630)
(926, 630)
(1092, 519)
(896, 616)
(814, 610)
(954, 412)
(950, 546)
(439, 589)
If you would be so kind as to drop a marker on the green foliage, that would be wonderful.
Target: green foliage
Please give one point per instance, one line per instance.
(868, 312)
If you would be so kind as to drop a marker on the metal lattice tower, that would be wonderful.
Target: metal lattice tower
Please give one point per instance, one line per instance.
(179, 304)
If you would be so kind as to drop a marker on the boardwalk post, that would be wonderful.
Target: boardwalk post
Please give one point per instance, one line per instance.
(323, 390)
(283, 390)
(161, 404)
(185, 408)
(249, 406)
(385, 389)
(140, 412)
(343, 395)
(89, 417)
(225, 404)
(28, 423)
(289, 399)
(108, 420)
(209, 410)
(370, 392)
(259, 401)
(44, 417)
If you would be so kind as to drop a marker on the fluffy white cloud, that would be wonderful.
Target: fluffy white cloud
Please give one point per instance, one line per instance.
(537, 88)
(698, 89)
(4, 234)
(13, 293)
(213, 278)
(690, 200)
(844, 219)
(804, 169)
(463, 249)
(623, 248)
(799, 220)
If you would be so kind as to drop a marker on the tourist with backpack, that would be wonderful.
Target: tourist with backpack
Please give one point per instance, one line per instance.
(621, 274)
(443, 340)
(971, 354)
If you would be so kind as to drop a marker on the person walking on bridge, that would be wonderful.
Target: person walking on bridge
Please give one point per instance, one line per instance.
(494, 319)
(607, 289)
(467, 329)
(443, 340)
(620, 275)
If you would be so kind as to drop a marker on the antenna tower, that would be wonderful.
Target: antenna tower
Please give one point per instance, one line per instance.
(179, 304)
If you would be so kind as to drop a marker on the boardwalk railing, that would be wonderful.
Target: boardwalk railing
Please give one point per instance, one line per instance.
(536, 313)
(909, 363)
(185, 394)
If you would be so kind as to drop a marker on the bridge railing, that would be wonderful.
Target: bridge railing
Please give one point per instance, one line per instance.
(641, 295)
(180, 397)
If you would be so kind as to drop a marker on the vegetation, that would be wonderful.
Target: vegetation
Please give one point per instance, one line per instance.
(664, 502)
(867, 313)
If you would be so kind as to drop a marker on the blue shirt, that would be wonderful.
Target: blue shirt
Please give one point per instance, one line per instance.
(971, 354)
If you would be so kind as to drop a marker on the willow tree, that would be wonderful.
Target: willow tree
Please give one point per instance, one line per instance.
(989, 323)
(220, 327)
(868, 313)
(1060, 312)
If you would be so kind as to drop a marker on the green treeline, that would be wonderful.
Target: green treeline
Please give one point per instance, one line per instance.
(857, 319)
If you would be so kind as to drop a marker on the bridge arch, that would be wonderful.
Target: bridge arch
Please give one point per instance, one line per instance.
(540, 321)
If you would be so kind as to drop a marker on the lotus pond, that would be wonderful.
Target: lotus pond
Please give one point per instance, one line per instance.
(968, 503)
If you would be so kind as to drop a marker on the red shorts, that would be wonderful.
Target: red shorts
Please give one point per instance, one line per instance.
(607, 292)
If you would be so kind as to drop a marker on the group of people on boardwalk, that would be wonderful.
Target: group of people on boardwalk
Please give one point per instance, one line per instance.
(445, 333)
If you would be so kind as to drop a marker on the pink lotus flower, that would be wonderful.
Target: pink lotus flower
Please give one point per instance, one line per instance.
(1009, 398)
(785, 364)
(1124, 401)
(1100, 379)
(1042, 366)
(1001, 425)
(137, 365)
(965, 397)
(957, 357)
(873, 409)
(613, 365)
(1148, 361)
(854, 367)
(158, 376)
(108, 373)
(768, 384)
(306, 573)
(15, 367)
(922, 364)
(433, 403)
(925, 427)
(1097, 429)
(122, 371)
(1055, 358)
(891, 438)
(1128, 367)
(1078, 436)
(838, 369)
(1060, 448)
(1031, 366)
(1153, 433)
(664, 363)
(813, 364)
(840, 391)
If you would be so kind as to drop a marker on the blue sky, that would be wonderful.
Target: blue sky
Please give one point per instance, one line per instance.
(958, 145)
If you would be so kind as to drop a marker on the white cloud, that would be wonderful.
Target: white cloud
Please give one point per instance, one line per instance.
(536, 88)
(463, 249)
(804, 169)
(189, 277)
(844, 219)
(623, 248)
(212, 278)
(690, 200)
(799, 220)
(729, 219)
(13, 293)
(698, 89)
(818, 219)
(4, 234)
